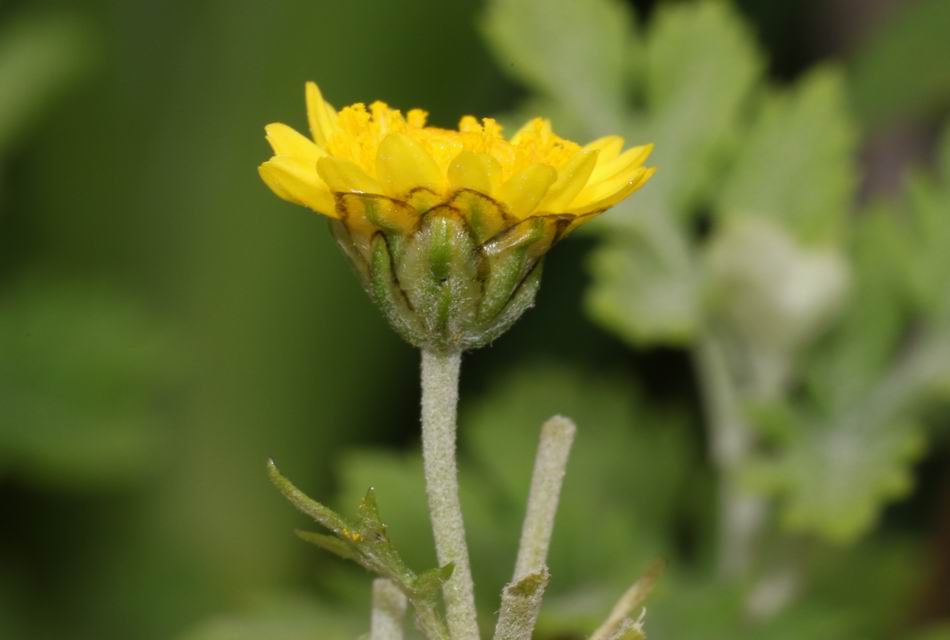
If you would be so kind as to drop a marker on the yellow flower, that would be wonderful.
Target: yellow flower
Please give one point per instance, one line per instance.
(379, 151)
(390, 183)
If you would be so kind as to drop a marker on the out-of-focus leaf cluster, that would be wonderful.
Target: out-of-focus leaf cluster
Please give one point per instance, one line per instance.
(748, 236)
(846, 445)
(831, 317)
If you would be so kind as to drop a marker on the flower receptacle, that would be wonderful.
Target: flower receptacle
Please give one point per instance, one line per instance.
(442, 284)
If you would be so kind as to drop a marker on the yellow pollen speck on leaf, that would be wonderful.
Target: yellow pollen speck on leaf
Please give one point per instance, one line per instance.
(352, 536)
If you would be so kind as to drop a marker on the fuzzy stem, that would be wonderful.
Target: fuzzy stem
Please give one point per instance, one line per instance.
(440, 378)
(520, 606)
(389, 610)
(557, 436)
(740, 513)
(521, 598)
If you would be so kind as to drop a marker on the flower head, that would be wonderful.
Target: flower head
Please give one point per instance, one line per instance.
(447, 228)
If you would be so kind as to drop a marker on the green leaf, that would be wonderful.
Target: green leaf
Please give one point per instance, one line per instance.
(852, 439)
(701, 67)
(846, 362)
(835, 473)
(643, 287)
(365, 541)
(852, 592)
(400, 482)
(700, 70)
(850, 443)
(899, 72)
(575, 52)
(925, 236)
(330, 543)
(796, 166)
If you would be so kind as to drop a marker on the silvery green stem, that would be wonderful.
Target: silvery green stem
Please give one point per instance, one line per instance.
(389, 611)
(520, 606)
(550, 463)
(740, 513)
(521, 598)
(440, 378)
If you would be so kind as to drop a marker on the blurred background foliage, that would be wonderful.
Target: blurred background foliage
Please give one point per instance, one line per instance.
(756, 348)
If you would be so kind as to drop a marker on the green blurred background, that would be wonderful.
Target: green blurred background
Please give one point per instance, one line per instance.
(166, 324)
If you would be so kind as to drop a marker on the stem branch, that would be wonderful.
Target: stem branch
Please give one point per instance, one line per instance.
(557, 436)
(440, 377)
(521, 598)
(740, 513)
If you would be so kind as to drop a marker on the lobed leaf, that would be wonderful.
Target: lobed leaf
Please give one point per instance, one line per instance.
(701, 67)
(796, 166)
(644, 288)
(365, 541)
(575, 52)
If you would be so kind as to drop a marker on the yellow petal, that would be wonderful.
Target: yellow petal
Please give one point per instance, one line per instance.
(476, 171)
(343, 176)
(321, 115)
(286, 141)
(402, 164)
(572, 177)
(297, 182)
(609, 147)
(629, 159)
(609, 193)
(604, 188)
(525, 190)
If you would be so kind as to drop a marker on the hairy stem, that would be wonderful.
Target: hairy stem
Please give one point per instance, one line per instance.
(440, 378)
(389, 611)
(740, 513)
(520, 606)
(557, 436)
(521, 598)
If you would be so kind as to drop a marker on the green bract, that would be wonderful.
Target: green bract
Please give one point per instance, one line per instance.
(441, 287)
